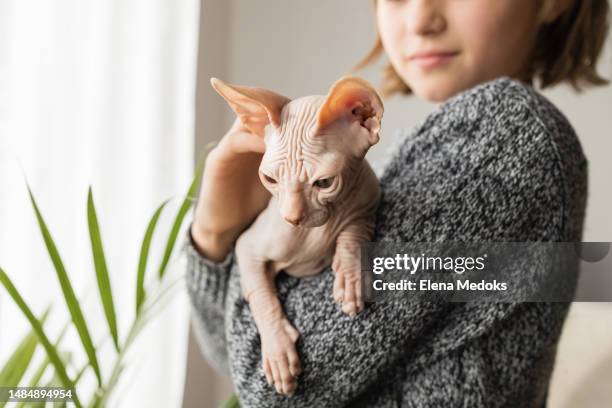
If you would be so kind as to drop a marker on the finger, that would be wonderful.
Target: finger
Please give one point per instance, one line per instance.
(338, 290)
(267, 371)
(349, 300)
(287, 378)
(358, 296)
(276, 377)
(290, 386)
(294, 365)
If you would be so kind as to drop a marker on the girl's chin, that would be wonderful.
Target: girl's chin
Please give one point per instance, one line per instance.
(433, 93)
(435, 88)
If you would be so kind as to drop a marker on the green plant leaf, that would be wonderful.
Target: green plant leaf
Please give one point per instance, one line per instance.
(70, 297)
(101, 396)
(144, 256)
(232, 402)
(34, 382)
(104, 285)
(180, 216)
(18, 363)
(55, 381)
(42, 337)
(80, 373)
(40, 371)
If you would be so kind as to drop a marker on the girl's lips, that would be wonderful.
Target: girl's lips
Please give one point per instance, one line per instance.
(431, 59)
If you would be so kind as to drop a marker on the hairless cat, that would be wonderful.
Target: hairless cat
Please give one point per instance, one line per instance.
(323, 204)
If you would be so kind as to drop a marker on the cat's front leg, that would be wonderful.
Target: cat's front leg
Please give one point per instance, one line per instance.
(347, 266)
(280, 360)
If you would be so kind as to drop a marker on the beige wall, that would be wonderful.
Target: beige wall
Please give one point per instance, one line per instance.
(299, 48)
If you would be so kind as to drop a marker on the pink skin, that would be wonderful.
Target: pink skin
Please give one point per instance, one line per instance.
(441, 47)
(323, 205)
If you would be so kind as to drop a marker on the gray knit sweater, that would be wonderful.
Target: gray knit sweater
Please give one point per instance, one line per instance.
(497, 162)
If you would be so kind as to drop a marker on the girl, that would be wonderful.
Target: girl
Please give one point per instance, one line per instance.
(495, 162)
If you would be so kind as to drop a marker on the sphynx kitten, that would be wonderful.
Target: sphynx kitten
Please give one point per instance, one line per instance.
(323, 204)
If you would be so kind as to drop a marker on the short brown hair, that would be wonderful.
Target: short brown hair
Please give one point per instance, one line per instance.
(566, 49)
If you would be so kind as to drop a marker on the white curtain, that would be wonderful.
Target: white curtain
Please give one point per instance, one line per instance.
(96, 92)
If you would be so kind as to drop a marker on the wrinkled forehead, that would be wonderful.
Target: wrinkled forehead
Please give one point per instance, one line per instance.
(293, 146)
(300, 115)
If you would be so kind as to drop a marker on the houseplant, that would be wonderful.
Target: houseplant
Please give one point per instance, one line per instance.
(151, 294)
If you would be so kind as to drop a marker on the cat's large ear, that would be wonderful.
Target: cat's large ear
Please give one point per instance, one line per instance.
(256, 107)
(353, 98)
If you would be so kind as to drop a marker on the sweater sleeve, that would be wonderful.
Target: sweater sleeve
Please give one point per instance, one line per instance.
(345, 360)
(207, 283)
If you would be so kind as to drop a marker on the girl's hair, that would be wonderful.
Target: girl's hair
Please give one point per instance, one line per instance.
(566, 49)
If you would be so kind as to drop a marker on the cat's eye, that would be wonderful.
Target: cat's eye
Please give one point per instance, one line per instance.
(269, 179)
(324, 183)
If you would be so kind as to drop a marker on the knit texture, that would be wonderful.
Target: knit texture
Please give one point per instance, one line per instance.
(497, 162)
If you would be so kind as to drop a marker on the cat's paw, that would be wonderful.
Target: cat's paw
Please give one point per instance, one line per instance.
(347, 288)
(281, 363)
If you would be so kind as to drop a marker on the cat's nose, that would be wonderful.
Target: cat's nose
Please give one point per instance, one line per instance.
(294, 221)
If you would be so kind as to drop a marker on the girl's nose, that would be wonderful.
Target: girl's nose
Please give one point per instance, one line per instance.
(426, 17)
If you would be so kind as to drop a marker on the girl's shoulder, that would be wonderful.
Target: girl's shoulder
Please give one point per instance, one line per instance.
(509, 112)
(506, 102)
(486, 163)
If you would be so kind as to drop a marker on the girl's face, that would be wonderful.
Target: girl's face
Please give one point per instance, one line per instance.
(441, 47)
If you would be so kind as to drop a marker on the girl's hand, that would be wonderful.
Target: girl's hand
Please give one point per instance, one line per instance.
(231, 195)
